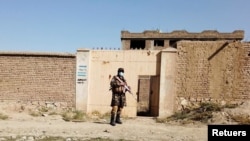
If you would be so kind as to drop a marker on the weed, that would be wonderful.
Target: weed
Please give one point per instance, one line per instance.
(210, 107)
(35, 113)
(230, 106)
(96, 113)
(161, 120)
(52, 139)
(63, 139)
(105, 115)
(74, 116)
(202, 114)
(241, 119)
(104, 139)
(53, 113)
(43, 109)
(3, 117)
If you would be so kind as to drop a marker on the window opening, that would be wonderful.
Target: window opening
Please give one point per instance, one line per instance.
(137, 44)
(159, 43)
(173, 43)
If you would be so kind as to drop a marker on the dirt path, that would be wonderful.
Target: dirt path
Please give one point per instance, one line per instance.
(138, 129)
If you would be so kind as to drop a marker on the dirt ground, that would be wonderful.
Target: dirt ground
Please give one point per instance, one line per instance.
(22, 126)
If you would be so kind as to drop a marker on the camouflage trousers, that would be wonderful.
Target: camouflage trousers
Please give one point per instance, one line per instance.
(117, 103)
(118, 99)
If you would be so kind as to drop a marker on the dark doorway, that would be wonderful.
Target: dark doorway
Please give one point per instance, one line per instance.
(148, 96)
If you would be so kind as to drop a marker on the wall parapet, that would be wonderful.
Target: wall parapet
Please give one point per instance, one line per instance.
(39, 54)
(183, 34)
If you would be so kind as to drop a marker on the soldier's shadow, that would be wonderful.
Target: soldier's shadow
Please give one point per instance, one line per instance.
(101, 122)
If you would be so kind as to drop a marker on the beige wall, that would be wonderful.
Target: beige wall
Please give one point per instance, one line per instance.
(167, 82)
(104, 64)
(82, 79)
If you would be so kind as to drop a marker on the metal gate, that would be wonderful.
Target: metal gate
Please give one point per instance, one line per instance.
(148, 96)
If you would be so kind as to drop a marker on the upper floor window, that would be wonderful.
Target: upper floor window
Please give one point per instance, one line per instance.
(159, 43)
(137, 44)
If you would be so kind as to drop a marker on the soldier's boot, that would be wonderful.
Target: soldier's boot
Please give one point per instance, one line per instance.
(112, 120)
(118, 119)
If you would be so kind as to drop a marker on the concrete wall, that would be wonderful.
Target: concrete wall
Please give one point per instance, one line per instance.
(167, 82)
(104, 65)
(38, 78)
(82, 79)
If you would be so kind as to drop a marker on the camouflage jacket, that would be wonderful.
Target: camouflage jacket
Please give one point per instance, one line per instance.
(115, 84)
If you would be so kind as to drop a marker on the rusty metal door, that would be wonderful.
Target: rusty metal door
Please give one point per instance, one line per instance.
(148, 96)
(143, 108)
(154, 95)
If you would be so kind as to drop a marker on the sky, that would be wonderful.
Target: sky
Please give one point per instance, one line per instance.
(67, 25)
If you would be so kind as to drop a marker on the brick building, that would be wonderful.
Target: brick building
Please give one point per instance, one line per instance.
(210, 65)
(157, 40)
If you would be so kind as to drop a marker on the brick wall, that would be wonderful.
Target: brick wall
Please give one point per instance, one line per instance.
(213, 70)
(243, 73)
(125, 44)
(38, 77)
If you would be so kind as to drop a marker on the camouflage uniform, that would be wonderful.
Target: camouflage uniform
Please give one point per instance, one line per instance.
(118, 97)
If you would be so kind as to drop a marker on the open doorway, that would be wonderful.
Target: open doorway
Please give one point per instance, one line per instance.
(148, 96)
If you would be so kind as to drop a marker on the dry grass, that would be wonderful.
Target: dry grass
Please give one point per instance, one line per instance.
(98, 115)
(64, 139)
(70, 114)
(241, 119)
(43, 111)
(3, 117)
(35, 113)
(77, 116)
(201, 114)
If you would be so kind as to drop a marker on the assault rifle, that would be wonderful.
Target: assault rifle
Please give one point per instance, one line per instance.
(126, 87)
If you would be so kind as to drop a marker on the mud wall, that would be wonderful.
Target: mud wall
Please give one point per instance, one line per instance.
(38, 78)
(213, 70)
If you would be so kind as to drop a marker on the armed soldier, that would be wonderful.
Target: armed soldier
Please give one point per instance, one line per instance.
(119, 87)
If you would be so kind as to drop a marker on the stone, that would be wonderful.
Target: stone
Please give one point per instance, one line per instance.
(68, 139)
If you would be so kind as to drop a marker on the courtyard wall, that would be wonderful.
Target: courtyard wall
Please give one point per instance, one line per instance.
(217, 71)
(213, 71)
(38, 78)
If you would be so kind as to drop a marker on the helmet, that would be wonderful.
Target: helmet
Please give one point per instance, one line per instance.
(120, 70)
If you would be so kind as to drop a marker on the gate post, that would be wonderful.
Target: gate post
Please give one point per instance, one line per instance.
(82, 79)
(167, 82)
